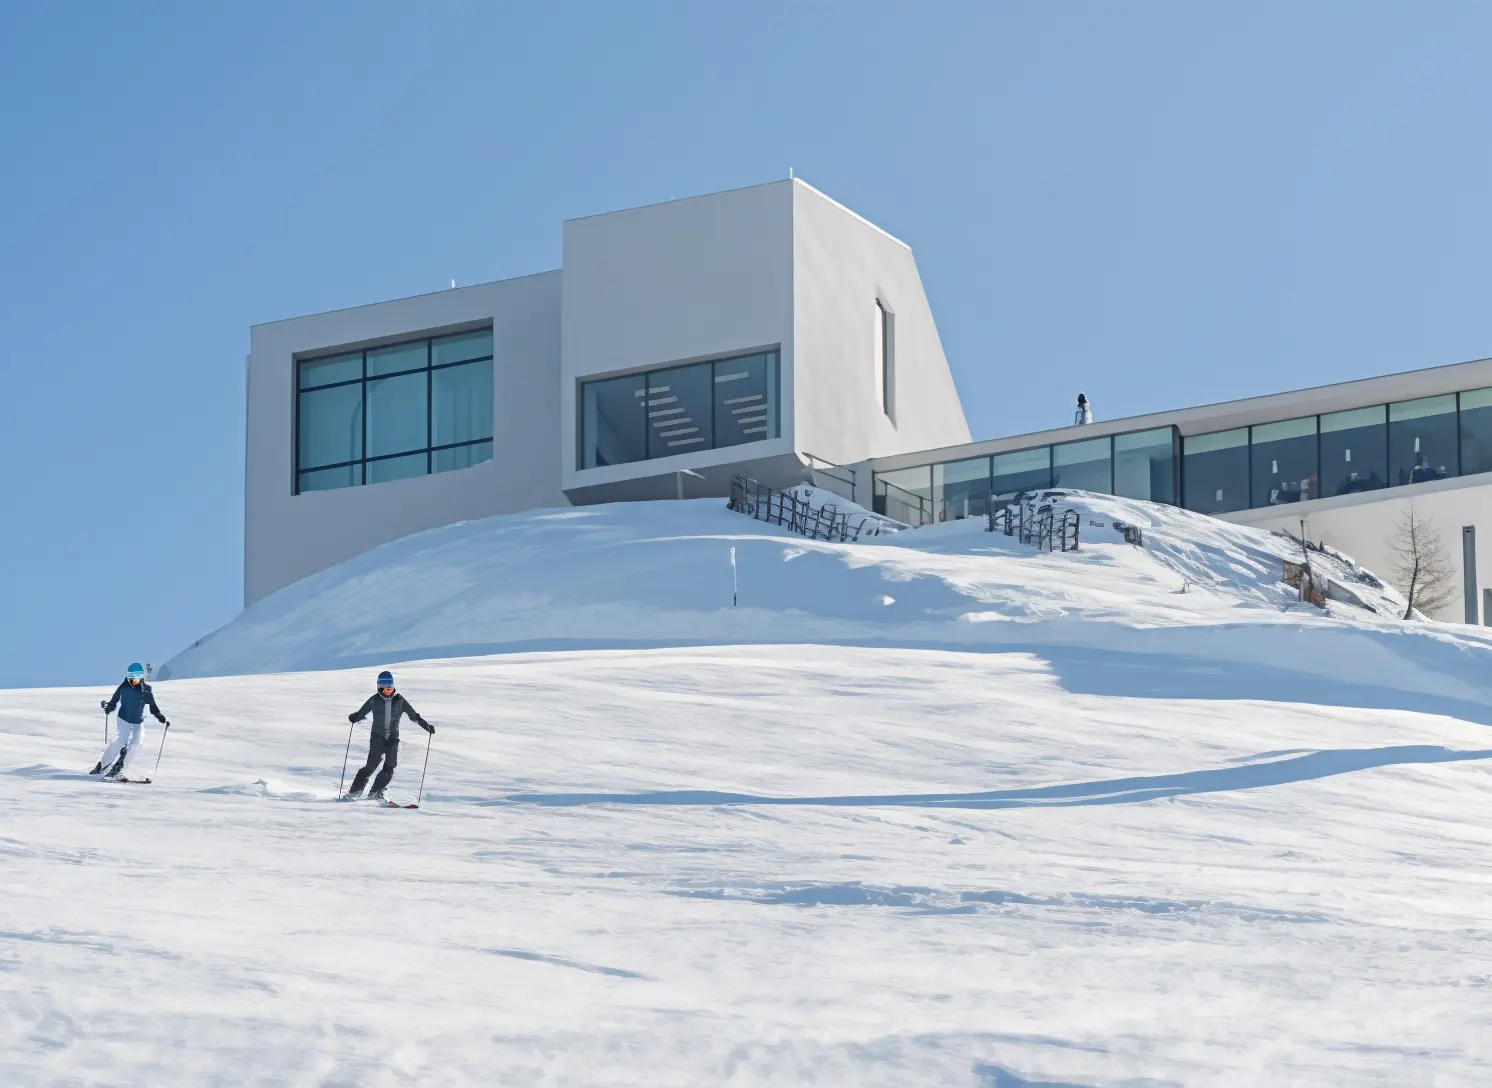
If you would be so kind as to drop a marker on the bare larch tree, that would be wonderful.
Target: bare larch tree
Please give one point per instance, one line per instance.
(1418, 562)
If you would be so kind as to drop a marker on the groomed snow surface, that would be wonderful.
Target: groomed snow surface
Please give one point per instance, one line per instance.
(1039, 820)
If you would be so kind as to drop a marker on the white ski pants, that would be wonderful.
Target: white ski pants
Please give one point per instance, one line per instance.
(129, 735)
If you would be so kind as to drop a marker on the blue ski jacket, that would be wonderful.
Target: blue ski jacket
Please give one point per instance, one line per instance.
(132, 699)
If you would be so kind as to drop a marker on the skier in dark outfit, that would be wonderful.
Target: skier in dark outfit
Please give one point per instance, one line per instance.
(386, 706)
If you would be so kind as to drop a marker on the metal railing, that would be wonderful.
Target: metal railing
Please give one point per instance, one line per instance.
(798, 515)
(1033, 521)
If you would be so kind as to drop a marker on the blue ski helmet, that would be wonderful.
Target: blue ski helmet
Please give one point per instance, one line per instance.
(135, 672)
(385, 679)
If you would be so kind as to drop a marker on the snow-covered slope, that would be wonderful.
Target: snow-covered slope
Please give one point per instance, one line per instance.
(1201, 594)
(937, 810)
(776, 865)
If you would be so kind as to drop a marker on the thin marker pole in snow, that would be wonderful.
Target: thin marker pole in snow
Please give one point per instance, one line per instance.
(734, 588)
(106, 729)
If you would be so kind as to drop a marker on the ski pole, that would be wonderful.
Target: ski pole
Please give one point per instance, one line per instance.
(162, 748)
(428, 738)
(345, 754)
(106, 729)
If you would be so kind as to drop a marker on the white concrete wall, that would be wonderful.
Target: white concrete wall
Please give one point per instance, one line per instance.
(841, 265)
(1360, 525)
(289, 536)
(672, 283)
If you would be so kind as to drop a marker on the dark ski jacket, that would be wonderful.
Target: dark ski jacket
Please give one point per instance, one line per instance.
(132, 699)
(386, 713)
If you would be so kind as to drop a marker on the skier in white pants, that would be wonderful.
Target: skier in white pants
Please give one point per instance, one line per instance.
(131, 698)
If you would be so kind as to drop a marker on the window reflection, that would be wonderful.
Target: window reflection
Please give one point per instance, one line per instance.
(1216, 471)
(904, 495)
(1145, 465)
(661, 413)
(1354, 451)
(961, 488)
(366, 417)
(1422, 442)
(1083, 466)
(1284, 462)
(1022, 470)
(1476, 433)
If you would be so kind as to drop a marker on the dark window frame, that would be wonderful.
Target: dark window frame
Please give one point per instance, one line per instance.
(429, 369)
(646, 374)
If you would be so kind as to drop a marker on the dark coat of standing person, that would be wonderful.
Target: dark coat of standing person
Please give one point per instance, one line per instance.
(386, 706)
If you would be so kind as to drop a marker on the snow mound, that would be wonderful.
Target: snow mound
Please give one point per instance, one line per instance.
(643, 575)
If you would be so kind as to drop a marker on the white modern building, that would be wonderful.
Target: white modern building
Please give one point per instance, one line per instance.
(770, 330)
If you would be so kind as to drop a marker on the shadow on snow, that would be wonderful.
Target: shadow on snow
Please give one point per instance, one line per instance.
(1114, 791)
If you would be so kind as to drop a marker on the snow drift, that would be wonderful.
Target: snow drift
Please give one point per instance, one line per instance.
(1199, 609)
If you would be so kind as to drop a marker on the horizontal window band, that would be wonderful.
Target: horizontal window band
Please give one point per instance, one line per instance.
(391, 374)
(686, 442)
(743, 400)
(685, 430)
(732, 377)
(754, 430)
(391, 456)
(666, 412)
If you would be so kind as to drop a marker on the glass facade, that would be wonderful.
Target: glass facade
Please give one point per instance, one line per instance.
(392, 412)
(1354, 451)
(1283, 462)
(1476, 433)
(1086, 465)
(1145, 465)
(1021, 470)
(905, 494)
(1422, 442)
(1216, 470)
(961, 489)
(1258, 466)
(701, 406)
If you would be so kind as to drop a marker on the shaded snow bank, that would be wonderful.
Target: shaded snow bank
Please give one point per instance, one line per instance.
(637, 575)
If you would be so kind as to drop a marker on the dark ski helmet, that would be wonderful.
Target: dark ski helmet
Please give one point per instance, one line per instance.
(385, 679)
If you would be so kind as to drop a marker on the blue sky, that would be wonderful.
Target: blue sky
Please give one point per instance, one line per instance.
(1160, 204)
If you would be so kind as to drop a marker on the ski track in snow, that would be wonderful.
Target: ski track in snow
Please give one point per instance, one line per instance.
(938, 810)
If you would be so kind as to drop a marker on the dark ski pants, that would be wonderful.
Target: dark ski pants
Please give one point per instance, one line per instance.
(379, 748)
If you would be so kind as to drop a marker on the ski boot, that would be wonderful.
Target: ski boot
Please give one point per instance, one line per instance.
(98, 768)
(376, 795)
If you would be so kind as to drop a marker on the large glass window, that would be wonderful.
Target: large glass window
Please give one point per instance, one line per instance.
(680, 409)
(1354, 451)
(746, 399)
(1476, 433)
(1022, 470)
(1216, 471)
(1083, 466)
(392, 412)
(1145, 465)
(904, 494)
(1422, 440)
(1284, 462)
(961, 488)
(614, 421)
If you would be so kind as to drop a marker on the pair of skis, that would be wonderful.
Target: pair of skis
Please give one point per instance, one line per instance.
(383, 802)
